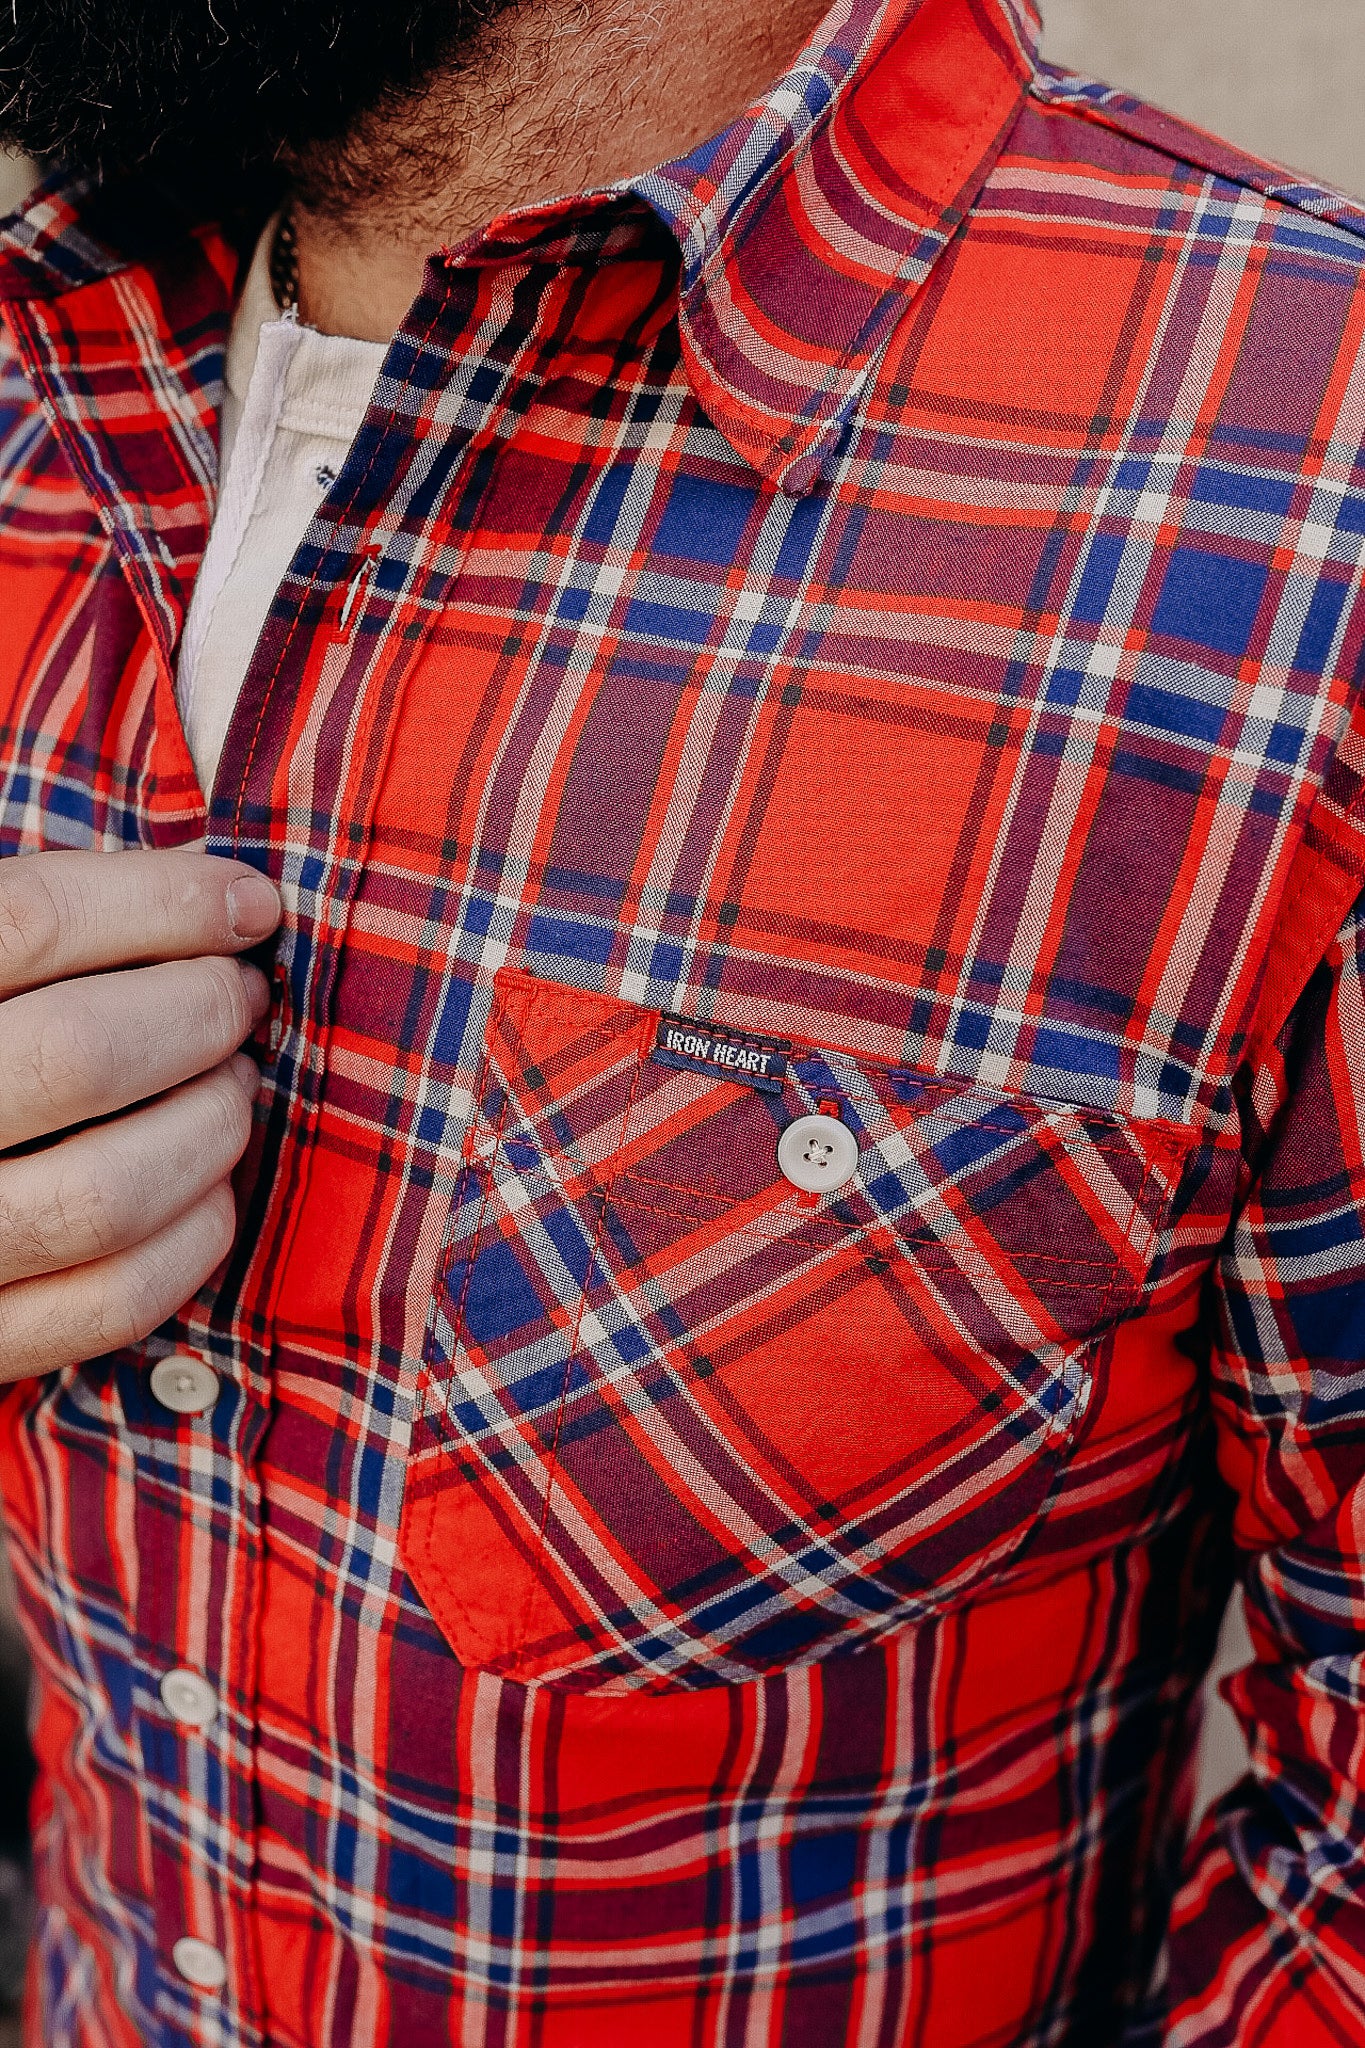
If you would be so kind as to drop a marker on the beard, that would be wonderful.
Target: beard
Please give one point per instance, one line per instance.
(225, 100)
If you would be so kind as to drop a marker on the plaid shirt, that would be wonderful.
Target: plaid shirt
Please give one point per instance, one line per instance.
(863, 620)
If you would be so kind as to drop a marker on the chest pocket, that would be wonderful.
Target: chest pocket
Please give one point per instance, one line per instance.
(680, 1423)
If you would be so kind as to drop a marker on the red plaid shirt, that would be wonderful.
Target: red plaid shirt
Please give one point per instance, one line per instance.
(885, 592)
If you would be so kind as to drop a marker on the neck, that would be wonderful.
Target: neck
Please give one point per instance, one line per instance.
(555, 96)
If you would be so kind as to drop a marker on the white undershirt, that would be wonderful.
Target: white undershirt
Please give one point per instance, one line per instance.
(294, 403)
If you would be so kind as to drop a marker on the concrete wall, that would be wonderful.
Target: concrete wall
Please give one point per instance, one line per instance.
(1285, 78)
(16, 175)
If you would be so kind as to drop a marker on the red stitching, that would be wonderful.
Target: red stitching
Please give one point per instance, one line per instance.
(551, 1456)
(902, 1243)
(457, 1318)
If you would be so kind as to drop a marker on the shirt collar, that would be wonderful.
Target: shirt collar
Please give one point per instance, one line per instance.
(806, 229)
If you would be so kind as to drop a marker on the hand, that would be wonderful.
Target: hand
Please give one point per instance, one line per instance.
(105, 1232)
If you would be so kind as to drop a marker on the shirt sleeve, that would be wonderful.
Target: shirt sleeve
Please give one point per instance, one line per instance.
(1267, 1944)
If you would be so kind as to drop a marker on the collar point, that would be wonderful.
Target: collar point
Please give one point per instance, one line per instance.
(798, 477)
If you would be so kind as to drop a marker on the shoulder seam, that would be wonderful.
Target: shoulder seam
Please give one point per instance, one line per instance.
(1109, 106)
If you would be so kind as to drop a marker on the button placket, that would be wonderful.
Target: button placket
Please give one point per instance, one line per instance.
(296, 1036)
(197, 1650)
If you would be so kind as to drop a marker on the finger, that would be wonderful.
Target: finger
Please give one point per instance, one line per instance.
(68, 914)
(86, 1049)
(110, 1188)
(65, 1318)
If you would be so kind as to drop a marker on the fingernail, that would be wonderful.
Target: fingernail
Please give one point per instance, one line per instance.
(253, 907)
(257, 991)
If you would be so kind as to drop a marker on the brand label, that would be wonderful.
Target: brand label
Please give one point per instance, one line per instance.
(723, 1054)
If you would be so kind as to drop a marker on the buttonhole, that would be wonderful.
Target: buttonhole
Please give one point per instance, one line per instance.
(351, 606)
(270, 1033)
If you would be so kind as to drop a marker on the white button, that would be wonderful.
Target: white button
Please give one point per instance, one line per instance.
(200, 1963)
(189, 1699)
(818, 1154)
(185, 1385)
